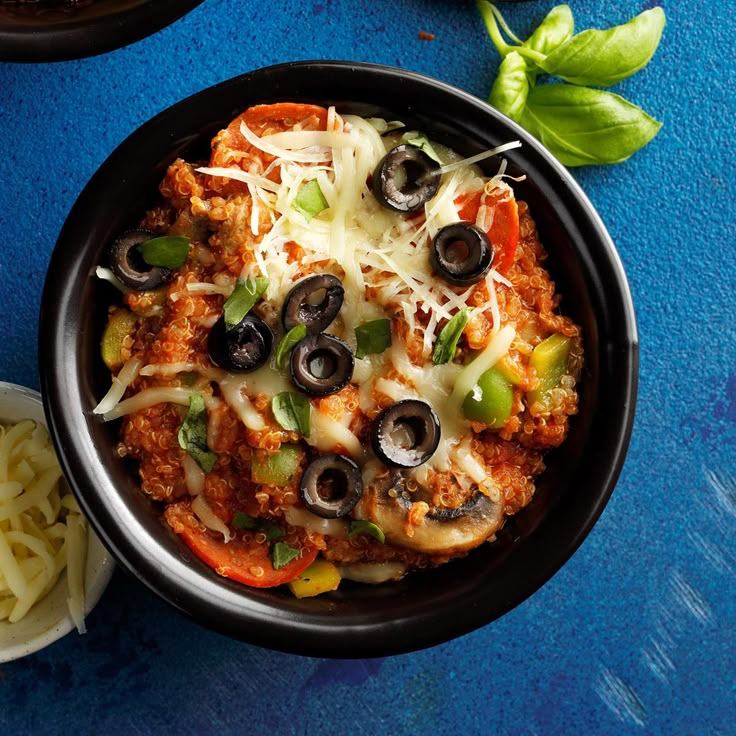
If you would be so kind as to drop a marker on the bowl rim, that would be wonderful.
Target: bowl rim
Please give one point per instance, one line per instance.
(62, 624)
(89, 33)
(310, 635)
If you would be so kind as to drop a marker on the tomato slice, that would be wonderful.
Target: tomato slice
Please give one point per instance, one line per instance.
(286, 114)
(504, 232)
(242, 559)
(229, 144)
(277, 118)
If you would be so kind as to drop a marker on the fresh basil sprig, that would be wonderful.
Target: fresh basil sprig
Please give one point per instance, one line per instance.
(243, 299)
(614, 127)
(444, 348)
(292, 412)
(556, 28)
(193, 434)
(577, 124)
(603, 58)
(511, 88)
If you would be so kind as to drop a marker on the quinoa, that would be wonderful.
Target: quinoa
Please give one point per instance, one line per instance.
(225, 227)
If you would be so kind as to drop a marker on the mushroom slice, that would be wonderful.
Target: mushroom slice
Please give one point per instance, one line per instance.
(386, 502)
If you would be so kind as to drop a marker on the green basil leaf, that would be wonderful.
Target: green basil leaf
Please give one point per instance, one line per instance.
(511, 87)
(193, 434)
(287, 342)
(291, 411)
(603, 58)
(444, 348)
(241, 301)
(361, 526)
(419, 140)
(245, 521)
(583, 126)
(310, 201)
(556, 28)
(272, 531)
(168, 251)
(282, 554)
(373, 337)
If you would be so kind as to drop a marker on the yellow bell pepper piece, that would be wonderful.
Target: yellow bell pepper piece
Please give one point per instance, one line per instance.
(320, 577)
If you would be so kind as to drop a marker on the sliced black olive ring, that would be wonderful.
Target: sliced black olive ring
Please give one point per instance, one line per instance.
(300, 307)
(461, 254)
(321, 364)
(243, 347)
(405, 179)
(405, 434)
(128, 265)
(331, 486)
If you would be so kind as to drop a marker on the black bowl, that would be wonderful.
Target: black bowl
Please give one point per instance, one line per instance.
(52, 30)
(356, 621)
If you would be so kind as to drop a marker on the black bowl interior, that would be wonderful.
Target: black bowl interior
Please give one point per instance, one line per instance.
(51, 30)
(426, 608)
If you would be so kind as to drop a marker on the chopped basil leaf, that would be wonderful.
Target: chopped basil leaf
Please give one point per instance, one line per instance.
(282, 555)
(421, 141)
(168, 251)
(287, 342)
(241, 301)
(291, 411)
(310, 201)
(245, 521)
(193, 434)
(444, 348)
(272, 531)
(373, 337)
(362, 526)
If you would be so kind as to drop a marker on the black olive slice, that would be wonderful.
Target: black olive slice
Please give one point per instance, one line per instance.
(241, 348)
(406, 178)
(128, 265)
(321, 364)
(313, 302)
(461, 254)
(331, 486)
(405, 434)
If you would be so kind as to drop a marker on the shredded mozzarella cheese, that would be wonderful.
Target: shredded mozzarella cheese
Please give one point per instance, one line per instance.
(42, 532)
(207, 516)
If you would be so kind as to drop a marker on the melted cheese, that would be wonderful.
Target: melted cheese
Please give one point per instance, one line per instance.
(382, 259)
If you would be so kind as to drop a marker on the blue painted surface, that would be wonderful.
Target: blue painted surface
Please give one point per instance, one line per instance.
(636, 634)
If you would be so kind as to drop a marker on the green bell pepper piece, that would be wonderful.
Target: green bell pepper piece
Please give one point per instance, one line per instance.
(549, 360)
(277, 469)
(490, 400)
(119, 326)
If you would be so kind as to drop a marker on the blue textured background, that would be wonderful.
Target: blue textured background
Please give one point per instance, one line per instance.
(636, 634)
